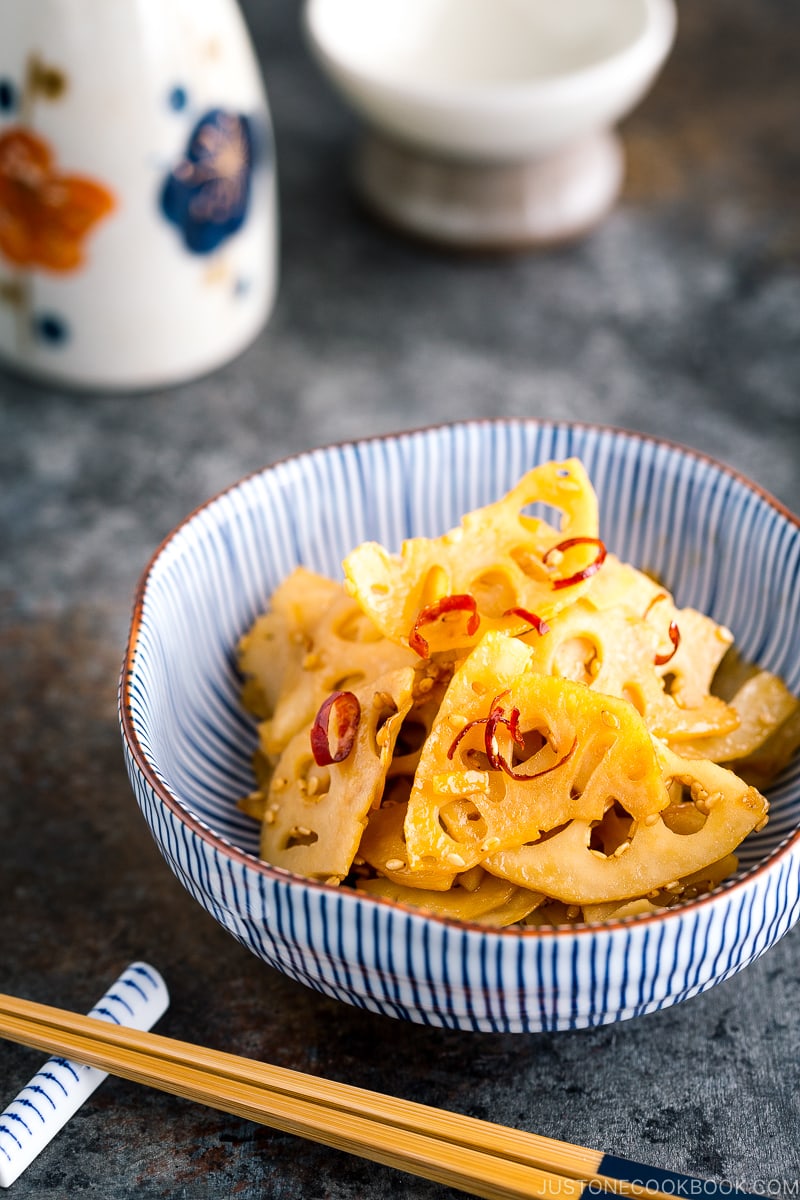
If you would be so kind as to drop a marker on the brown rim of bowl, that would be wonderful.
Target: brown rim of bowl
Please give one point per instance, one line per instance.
(281, 874)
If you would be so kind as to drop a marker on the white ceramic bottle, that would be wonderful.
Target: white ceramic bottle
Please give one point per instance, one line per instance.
(138, 211)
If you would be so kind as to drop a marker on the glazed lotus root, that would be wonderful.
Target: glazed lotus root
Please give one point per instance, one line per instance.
(495, 558)
(765, 707)
(314, 816)
(596, 814)
(280, 637)
(536, 722)
(332, 645)
(493, 901)
(657, 853)
(618, 656)
(689, 665)
(757, 727)
(514, 754)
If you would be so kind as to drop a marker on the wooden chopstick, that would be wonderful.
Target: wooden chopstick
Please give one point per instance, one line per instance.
(465, 1153)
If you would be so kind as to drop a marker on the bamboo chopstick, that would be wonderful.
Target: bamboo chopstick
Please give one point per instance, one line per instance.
(470, 1155)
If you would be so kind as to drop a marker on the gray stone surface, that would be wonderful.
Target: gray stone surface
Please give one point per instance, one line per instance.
(679, 316)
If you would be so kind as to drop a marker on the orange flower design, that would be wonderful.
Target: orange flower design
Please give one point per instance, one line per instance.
(44, 216)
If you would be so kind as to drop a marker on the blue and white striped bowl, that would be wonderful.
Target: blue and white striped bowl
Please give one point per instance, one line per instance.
(722, 544)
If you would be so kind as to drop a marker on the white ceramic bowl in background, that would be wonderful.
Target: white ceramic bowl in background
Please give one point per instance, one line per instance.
(474, 84)
(495, 80)
(720, 542)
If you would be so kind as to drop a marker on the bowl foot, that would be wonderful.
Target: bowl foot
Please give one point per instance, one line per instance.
(491, 206)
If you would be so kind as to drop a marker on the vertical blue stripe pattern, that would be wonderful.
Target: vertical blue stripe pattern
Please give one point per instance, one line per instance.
(716, 540)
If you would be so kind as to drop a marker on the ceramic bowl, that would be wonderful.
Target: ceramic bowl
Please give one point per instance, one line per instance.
(490, 120)
(494, 80)
(722, 544)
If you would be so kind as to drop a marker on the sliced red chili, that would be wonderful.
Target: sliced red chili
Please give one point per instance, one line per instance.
(469, 725)
(440, 608)
(334, 729)
(496, 717)
(658, 596)
(674, 635)
(592, 568)
(522, 775)
(535, 622)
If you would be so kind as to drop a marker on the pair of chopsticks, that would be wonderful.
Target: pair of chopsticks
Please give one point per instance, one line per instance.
(470, 1155)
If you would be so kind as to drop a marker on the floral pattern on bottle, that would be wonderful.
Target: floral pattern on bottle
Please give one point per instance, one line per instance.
(46, 214)
(206, 195)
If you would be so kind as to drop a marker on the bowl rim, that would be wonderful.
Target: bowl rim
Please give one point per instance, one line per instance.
(244, 858)
(651, 46)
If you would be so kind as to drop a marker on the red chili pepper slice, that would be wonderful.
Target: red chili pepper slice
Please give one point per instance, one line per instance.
(334, 729)
(509, 770)
(432, 612)
(674, 635)
(469, 725)
(587, 571)
(535, 622)
(496, 717)
(658, 596)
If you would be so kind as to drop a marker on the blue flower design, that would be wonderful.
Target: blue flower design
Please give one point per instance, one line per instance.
(207, 194)
(8, 96)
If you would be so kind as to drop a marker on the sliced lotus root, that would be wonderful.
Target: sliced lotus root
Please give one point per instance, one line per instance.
(691, 886)
(763, 703)
(620, 586)
(280, 637)
(441, 594)
(618, 655)
(513, 753)
(570, 868)
(315, 815)
(689, 672)
(761, 767)
(690, 661)
(383, 846)
(493, 902)
(341, 650)
(519, 906)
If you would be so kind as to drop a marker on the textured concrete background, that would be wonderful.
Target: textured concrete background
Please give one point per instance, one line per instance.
(679, 316)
